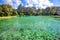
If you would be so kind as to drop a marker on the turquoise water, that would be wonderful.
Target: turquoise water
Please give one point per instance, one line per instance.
(46, 23)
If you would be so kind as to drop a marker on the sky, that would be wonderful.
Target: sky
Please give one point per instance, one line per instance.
(36, 3)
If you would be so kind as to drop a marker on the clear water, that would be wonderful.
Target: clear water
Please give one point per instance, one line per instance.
(49, 24)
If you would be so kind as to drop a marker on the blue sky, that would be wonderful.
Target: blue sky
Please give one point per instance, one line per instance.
(1, 2)
(31, 3)
(56, 2)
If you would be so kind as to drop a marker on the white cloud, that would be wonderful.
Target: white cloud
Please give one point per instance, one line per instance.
(36, 3)
(14, 3)
(29, 5)
(39, 3)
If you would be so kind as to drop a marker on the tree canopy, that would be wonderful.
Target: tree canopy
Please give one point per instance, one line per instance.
(7, 10)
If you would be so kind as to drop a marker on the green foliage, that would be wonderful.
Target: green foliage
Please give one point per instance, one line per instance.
(14, 12)
(37, 12)
(26, 10)
(7, 10)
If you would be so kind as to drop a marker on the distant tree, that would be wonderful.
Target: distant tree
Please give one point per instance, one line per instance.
(26, 10)
(46, 11)
(0, 10)
(14, 12)
(20, 9)
(39, 12)
(49, 11)
(7, 9)
(30, 11)
(52, 10)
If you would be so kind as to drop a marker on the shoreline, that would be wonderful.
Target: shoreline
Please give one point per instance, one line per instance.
(15, 16)
(8, 17)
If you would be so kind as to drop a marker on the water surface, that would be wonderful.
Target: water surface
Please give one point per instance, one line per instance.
(47, 23)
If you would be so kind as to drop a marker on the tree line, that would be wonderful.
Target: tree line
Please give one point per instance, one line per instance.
(7, 10)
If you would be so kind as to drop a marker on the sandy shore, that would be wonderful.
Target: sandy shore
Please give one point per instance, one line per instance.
(8, 17)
